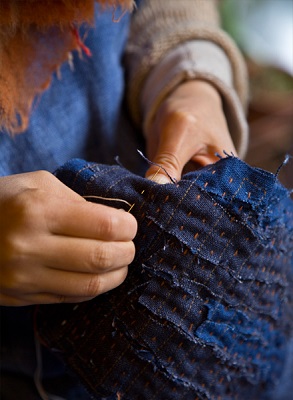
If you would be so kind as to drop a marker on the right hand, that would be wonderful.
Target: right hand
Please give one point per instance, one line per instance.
(188, 130)
(57, 247)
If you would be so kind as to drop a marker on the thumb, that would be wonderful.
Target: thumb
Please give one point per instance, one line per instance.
(165, 168)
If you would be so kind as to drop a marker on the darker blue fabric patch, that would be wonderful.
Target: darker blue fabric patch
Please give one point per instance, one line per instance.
(206, 309)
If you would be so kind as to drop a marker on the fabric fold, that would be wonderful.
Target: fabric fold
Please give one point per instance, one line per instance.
(185, 323)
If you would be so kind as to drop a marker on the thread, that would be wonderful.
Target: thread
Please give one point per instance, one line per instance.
(160, 168)
(106, 199)
(116, 20)
(80, 43)
(286, 160)
(173, 180)
(39, 372)
(153, 177)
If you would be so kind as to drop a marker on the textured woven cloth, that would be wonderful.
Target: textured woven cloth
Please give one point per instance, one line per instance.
(206, 309)
(36, 38)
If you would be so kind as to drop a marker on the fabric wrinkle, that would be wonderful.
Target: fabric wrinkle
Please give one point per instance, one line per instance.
(206, 308)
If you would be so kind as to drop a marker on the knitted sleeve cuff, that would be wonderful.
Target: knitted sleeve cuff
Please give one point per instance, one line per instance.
(157, 28)
(196, 60)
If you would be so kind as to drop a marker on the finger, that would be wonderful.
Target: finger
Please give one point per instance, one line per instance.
(176, 146)
(203, 155)
(90, 220)
(172, 159)
(70, 284)
(11, 301)
(38, 298)
(199, 160)
(85, 255)
(63, 285)
(158, 175)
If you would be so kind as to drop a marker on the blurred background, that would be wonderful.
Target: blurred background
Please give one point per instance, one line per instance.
(263, 30)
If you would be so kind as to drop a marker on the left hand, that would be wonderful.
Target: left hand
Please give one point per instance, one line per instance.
(189, 128)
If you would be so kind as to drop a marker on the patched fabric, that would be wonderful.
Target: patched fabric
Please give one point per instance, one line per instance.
(206, 309)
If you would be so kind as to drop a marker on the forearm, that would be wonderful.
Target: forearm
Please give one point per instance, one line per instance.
(171, 44)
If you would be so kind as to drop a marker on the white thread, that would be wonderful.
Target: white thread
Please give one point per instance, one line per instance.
(107, 199)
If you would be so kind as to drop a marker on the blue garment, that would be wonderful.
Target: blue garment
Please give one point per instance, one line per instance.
(83, 113)
(206, 309)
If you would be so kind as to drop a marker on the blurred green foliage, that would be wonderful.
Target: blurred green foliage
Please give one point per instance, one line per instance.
(262, 76)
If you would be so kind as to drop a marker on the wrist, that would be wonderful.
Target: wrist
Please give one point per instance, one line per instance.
(201, 90)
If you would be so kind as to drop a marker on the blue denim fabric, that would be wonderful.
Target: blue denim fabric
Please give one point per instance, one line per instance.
(206, 310)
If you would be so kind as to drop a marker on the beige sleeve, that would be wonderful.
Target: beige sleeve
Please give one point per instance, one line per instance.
(164, 33)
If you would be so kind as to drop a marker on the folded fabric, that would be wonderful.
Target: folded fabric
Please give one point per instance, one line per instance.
(206, 309)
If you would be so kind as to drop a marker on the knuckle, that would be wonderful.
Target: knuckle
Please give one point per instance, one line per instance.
(184, 116)
(93, 287)
(26, 205)
(170, 161)
(99, 257)
(182, 119)
(14, 249)
(13, 281)
(107, 224)
(43, 174)
(7, 250)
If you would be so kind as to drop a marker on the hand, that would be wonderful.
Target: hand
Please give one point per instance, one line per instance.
(189, 128)
(57, 247)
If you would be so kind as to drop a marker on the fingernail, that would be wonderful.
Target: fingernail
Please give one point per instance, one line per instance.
(159, 178)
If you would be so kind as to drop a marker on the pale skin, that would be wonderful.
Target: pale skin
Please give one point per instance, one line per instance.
(56, 247)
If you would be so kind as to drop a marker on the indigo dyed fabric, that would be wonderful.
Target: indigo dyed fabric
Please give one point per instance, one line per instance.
(83, 112)
(206, 309)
